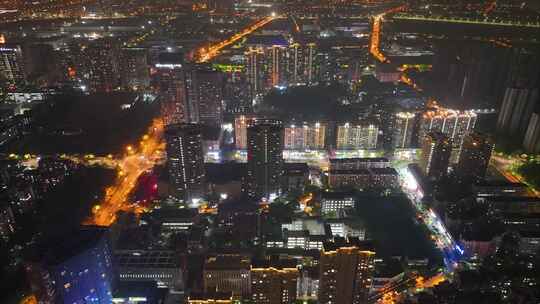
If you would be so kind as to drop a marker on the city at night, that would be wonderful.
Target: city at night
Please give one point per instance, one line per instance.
(270, 151)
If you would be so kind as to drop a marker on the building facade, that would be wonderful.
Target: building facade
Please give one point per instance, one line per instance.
(346, 271)
(265, 158)
(357, 136)
(436, 151)
(185, 161)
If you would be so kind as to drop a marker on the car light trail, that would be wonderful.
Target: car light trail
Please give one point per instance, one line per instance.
(134, 163)
(376, 34)
(205, 54)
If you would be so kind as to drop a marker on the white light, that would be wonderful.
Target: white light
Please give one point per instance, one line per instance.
(168, 65)
(273, 14)
(223, 196)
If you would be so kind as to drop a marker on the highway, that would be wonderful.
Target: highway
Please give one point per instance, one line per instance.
(375, 43)
(205, 54)
(467, 21)
(136, 161)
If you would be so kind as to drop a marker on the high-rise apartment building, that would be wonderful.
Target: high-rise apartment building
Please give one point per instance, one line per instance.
(185, 161)
(475, 156)
(276, 57)
(531, 143)
(436, 151)
(255, 70)
(11, 64)
(301, 63)
(362, 135)
(265, 158)
(346, 271)
(454, 124)
(402, 130)
(516, 110)
(241, 123)
(305, 136)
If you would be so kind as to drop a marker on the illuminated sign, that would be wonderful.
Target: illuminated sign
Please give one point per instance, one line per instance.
(168, 65)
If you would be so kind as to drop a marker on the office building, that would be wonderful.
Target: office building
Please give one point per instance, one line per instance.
(359, 163)
(296, 176)
(516, 110)
(531, 142)
(169, 77)
(159, 266)
(363, 178)
(11, 65)
(241, 123)
(228, 273)
(185, 162)
(274, 281)
(305, 136)
(336, 201)
(475, 155)
(353, 136)
(76, 269)
(436, 151)
(265, 158)
(402, 130)
(346, 271)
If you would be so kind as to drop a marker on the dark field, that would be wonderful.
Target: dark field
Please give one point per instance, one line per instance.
(95, 124)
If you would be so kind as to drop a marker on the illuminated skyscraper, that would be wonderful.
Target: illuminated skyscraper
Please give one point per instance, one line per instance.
(436, 151)
(305, 136)
(255, 70)
(265, 158)
(346, 271)
(361, 135)
(206, 96)
(170, 78)
(454, 124)
(402, 130)
(475, 156)
(185, 161)
(11, 65)
(301, 60)
(241, 123)
(276, 57)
